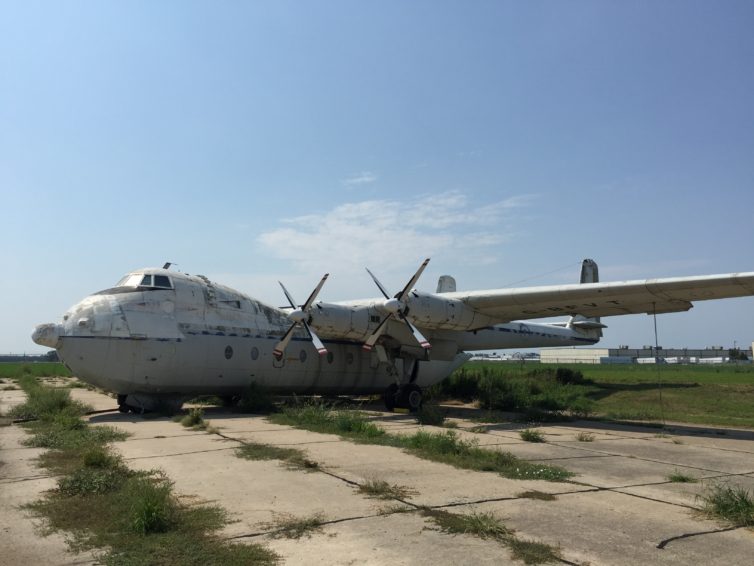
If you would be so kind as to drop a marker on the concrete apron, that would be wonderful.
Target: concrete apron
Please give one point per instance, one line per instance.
(623, 510)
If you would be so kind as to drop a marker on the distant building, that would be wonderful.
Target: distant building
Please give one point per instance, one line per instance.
(626, 355)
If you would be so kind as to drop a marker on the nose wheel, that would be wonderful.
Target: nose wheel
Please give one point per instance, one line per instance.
(408, 396)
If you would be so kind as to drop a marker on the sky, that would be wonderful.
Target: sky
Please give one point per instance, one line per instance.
(261, 141)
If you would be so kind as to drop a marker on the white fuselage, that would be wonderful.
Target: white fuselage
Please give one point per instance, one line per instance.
(192, 337)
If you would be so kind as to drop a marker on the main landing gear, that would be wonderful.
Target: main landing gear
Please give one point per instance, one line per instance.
(407, 396)
(124, 407)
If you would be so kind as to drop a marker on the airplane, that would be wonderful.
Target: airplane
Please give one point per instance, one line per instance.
(160, 337)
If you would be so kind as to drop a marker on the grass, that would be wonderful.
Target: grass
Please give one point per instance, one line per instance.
(533, 552)
(531, 435)
(290, 526)
(134, 517)
(714, 395)
(194, 419)
(540, 495)
(15, 370)
(430, 415)
(733, 505)
(585, 437)
(293, 457)
(679, 477)
(445, 447)
(380, 489)
(489, 526)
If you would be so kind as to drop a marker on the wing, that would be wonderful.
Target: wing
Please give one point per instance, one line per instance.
(606, 299)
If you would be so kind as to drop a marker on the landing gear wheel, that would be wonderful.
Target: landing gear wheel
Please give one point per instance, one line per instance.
(122, 407)
(412, 395)
(390, 397)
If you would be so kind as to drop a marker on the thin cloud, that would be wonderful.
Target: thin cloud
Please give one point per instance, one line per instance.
(394, 234)
(362, 178)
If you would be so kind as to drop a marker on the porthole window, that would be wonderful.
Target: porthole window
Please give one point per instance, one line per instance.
(228, 352)
(302, 356)
(349, 358)
(254, 353)
(330, 357)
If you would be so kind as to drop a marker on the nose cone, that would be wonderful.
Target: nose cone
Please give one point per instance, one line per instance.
(47, 335)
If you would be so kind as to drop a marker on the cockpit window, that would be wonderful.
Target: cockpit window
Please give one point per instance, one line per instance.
(130, 280)
(148, 280)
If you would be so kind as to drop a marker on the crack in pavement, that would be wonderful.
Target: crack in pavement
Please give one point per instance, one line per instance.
(664, 543)
(642, 458)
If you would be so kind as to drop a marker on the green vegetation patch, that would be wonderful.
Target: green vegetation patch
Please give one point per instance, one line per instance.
(489, 526)
(734, 505)
(15, 370)
(719, 395)
(290, 526)
(431, 415)
(380, 489)
(483, 525)
(540, 495)
(293, 457)
(679, 477)
(102, 504)
(533, 552)
(256, 399)
(531, 435)
(585, 437)
(318, 417)
(445, 447)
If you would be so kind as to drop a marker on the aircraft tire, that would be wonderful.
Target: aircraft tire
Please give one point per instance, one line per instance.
(390, 397)
(412, 394)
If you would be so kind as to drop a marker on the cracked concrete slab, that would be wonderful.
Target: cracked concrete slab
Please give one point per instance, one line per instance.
(393, 539)
(620, 510)
(685, 455)
(21, 483)
(610, 528)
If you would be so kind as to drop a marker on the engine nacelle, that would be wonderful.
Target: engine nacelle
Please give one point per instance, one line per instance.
(340, 321)
(432, 311)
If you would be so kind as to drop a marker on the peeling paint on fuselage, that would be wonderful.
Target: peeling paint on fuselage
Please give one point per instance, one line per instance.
(203, 338)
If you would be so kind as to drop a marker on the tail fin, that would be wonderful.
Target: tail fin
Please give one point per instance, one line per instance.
(590, 273)
(592, 327)
(446, 284)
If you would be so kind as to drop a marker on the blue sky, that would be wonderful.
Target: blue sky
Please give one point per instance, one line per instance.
(257, 141)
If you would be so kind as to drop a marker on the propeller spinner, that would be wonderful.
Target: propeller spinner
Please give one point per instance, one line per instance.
(397, 307)
(300, 315)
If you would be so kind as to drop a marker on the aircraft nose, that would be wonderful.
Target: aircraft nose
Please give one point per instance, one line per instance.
(47, 335)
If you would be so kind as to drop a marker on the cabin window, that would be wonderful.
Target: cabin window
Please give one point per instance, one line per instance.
(302, 356)
(146, 281)
(228, 352)
(162, 281)
(330, 357)
(254, 353)
(349, 358)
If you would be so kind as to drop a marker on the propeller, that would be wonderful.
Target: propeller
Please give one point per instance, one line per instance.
(300, 315)
(397, 307)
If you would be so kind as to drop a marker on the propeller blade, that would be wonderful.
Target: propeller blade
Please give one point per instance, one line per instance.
(377, 282)
(414, 279)
(423, 342)
(314, 294)
(288, 296)
(321, 350)
(372, 340)
(399, 308)
(280, 347)
(300, 315)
